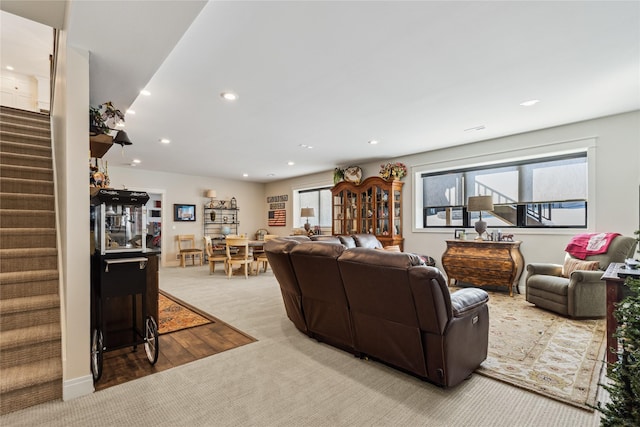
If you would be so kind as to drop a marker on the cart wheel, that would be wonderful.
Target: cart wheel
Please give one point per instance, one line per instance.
(151, 339)
(97, 346)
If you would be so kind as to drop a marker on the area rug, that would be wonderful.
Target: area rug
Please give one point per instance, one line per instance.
(175, 315)
(543, 352)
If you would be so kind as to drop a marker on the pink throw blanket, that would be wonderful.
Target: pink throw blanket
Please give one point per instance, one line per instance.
(584, 245)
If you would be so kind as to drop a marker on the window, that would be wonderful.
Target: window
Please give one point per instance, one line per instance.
(537, 193)
(320, 200)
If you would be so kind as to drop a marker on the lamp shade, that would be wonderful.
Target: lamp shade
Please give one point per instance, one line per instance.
(480, 203)
(122, 138)
(211, 194)
(307, 212)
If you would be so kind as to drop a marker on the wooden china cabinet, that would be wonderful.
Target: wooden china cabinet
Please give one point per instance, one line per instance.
(374, 206)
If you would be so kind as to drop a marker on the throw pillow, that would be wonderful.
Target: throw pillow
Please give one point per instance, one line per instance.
(571, 265)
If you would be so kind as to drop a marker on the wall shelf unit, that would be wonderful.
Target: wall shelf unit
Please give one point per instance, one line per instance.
(216, 219)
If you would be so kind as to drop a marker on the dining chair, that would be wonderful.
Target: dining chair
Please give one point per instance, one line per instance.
(242, 257)
(261, 258)
(213, 257)
(187, 248)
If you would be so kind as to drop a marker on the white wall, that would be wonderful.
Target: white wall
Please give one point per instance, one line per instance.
(616, 176)
(189, 189)
(70, 130)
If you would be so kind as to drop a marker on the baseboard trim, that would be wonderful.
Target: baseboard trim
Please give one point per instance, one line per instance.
(77, 387)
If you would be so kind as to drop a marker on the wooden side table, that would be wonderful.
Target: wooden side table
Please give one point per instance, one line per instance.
(615, 293)
(484, 263)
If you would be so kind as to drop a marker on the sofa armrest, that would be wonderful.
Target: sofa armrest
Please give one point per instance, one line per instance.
(466, 300)
(579, 276)
(544, 269)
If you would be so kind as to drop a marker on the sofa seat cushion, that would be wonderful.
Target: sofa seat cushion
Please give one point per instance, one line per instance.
(551, 284)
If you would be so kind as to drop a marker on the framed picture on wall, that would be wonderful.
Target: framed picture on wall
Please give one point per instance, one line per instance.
(183, 212)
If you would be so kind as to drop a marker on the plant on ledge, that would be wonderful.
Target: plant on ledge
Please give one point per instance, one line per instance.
(391, 171)
(624, 389)
(103, 118)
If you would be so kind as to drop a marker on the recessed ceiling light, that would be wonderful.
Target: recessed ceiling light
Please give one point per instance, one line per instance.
(165, 140)
(131, 112)
(137, 161)
(9, 67)
(229, 96)
(145, 92)
(290, 163)
(245, 175)
(305, 146)
(271, 174)
(373, 141)
(475, 128)
(530, 102)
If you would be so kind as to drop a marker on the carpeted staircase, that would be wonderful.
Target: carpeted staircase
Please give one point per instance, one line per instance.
(30, 333)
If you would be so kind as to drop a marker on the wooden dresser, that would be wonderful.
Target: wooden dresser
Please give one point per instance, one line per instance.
(484, 263)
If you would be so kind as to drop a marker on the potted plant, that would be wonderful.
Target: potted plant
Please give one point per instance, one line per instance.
(103, 118)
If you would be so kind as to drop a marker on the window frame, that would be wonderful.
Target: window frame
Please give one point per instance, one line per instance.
(500, 157)
(298, 205)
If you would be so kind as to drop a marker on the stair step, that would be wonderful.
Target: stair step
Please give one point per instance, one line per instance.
(35, 115)
(17, 284)
(31, 396)
(30, 374)
(23, 218)
(28, 259)
(25, 172)
(24, 129)
(30, 186)
(21, 313)
(20, 337)
(42, 160)
(11, 117)
(7, 136)
(22, 201)
(15, 238)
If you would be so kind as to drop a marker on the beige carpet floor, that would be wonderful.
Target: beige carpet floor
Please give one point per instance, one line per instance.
(288, 379)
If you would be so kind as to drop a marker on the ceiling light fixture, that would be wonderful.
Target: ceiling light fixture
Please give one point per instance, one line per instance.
(290, 163)
(229, 96)
(245, 175)
(373, 141)
(475, 128)
(165, 140)
(9, 67)
(305, 146)
(530, 102)
(145, 92)
(131, 112)
(271, 174)
(137, 161)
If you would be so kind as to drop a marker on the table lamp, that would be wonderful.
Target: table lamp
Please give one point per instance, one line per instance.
(479, 204)
(308, 213)
(212, 195)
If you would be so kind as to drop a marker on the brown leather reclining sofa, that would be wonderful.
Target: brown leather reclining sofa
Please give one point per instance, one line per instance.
(388, 306)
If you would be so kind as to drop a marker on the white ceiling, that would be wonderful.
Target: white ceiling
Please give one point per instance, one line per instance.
(334, 75)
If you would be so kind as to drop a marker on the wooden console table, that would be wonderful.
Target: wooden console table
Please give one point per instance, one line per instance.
(484, 263)
(616, 291)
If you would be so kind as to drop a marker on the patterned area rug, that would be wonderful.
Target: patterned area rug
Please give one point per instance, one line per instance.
(544, 352)
(175, 315)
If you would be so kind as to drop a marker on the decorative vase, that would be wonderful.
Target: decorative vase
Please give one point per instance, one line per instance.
(213, 216)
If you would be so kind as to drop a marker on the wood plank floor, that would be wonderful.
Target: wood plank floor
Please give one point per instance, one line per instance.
(175, 349)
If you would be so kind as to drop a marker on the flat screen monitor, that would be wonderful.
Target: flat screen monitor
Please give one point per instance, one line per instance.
(184, 212)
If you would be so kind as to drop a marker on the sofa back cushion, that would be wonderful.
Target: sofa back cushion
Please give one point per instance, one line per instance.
(323, 298)
(347, 241)
(382, 306)
(325, 238)
(367, 241)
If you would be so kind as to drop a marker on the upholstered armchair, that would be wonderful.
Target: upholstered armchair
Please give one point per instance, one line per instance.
(575, 289)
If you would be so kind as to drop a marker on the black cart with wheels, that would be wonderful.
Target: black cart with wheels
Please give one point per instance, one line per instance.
(121, 275)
